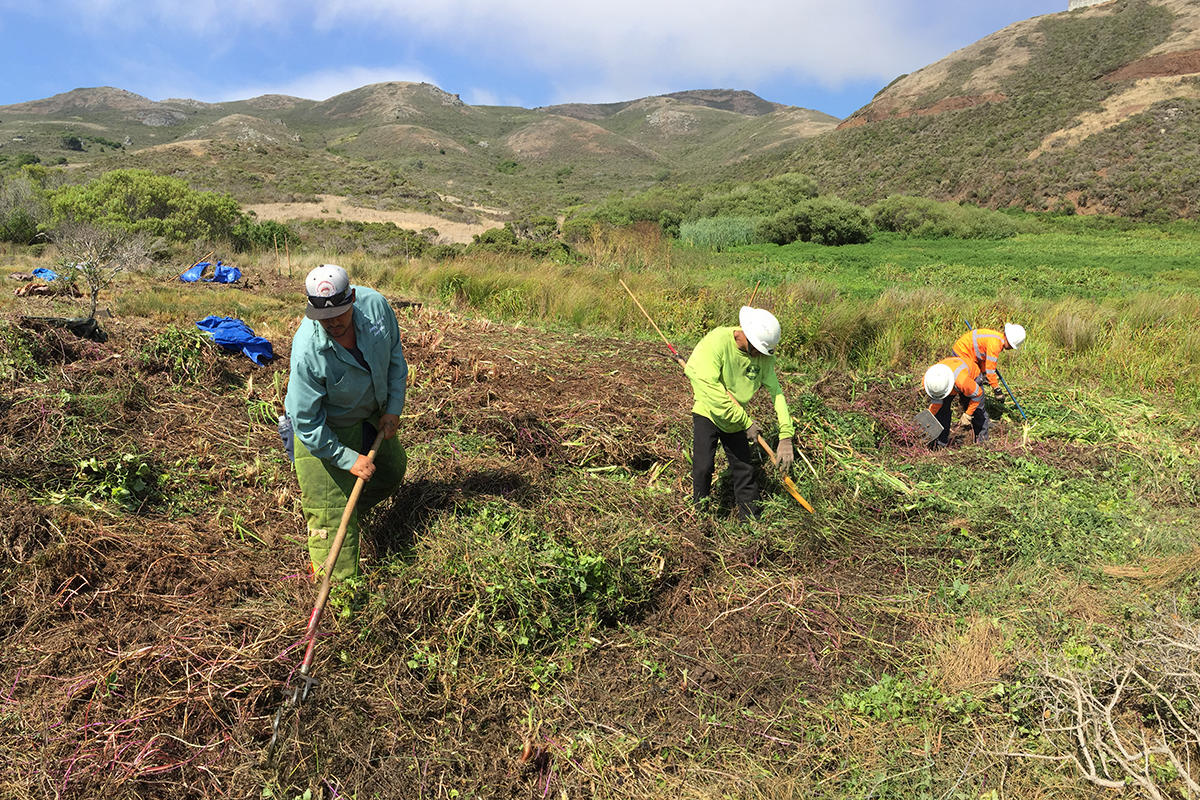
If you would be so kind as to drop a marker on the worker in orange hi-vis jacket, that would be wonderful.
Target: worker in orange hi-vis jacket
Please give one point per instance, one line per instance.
(956, 376)
(983, 346)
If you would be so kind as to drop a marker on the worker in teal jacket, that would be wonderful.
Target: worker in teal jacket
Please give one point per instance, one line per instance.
(735, 361)
(347, 382)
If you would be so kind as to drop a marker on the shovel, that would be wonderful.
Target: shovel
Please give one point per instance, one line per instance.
(927, 423)
(300, 693)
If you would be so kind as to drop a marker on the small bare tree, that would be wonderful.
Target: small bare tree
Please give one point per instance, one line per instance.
(95, 256)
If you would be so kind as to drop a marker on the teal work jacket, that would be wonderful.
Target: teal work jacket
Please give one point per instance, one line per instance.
(328, 388)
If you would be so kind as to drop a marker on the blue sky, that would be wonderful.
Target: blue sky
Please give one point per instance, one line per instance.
(831, 55)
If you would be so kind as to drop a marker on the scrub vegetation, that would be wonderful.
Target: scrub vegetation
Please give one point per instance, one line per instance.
(541, 612)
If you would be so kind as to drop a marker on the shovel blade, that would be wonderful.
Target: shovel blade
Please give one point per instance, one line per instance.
(927, 423)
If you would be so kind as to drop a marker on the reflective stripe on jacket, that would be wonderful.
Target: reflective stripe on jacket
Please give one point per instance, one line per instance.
(966, 383)
(982, 346)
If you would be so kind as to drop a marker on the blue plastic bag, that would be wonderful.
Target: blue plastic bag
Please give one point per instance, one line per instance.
(224, 273)
(233, 334)
(45, 274)
(193, 273)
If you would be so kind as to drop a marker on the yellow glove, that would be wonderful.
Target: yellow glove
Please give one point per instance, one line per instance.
(966, 420)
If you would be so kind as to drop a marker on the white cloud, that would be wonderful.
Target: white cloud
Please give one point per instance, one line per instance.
(823, 41)
(480, 96)
(713, 41)
(597, 52)
(326, 83)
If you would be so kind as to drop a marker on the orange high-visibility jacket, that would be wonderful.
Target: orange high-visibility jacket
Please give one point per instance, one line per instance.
(966, 377)
(982, 346)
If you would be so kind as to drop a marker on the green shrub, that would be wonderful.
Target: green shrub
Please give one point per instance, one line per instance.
(757, 199)
(138, 201)
(827, 221)
(383, 239)
(247, 235)
(661, 204)
(444, 252)
(23, 209)
(930, 219)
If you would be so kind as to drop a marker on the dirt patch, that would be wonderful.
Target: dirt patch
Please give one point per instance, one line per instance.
(879, 111)
(339, 208)
(1164, 65)
(199, 148)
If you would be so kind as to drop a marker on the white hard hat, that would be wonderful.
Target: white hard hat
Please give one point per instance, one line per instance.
(761, 328)
(329, 292)
(1014, 333)
(939, 380)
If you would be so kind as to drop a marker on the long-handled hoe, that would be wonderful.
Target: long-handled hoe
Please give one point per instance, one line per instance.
(300, 693)
(787, 481)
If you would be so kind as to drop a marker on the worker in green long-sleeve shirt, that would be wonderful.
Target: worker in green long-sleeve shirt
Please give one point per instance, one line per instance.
(347, 382)
(735, 361)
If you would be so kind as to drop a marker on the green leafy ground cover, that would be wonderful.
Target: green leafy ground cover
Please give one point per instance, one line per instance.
(542, 614)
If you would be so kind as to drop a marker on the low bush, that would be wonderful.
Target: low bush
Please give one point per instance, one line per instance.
(930, 219)
(825, 220)
(757, 199)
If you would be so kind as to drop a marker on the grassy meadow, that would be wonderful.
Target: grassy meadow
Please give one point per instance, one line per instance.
(542, 614)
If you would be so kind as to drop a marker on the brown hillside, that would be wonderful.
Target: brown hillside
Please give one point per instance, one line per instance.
(558, 136)
(397, 99)
(976, 75)
(403, 138)
(102, 98)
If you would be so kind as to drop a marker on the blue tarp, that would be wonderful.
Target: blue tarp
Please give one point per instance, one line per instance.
(193, 274)
(45, 274)
(233, 334)
(222, 273)
(225, 273)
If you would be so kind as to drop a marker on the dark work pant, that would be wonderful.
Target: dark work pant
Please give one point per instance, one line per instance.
(979, 421)
(704, 453)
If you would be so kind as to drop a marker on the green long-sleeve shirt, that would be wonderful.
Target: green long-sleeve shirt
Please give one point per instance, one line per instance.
(716, 365)
(328, 388)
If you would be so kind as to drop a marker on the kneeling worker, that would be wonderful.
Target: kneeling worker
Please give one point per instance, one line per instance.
(347, 383)
(947, 378)
(735, 361)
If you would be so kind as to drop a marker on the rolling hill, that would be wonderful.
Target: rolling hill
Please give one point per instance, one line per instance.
(1084, 111)
(404, 144)
(1092, 110)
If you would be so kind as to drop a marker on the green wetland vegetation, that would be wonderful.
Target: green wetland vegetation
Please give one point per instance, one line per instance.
(544, 615)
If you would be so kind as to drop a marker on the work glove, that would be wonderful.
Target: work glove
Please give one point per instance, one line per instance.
(753, 432)
(784, 455)
(998, 394)
(966, 420)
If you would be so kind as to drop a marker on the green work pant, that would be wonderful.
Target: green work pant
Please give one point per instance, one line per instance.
(325, 489)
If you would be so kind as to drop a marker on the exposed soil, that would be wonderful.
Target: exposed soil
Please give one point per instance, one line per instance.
(145, 654)
(1164, 65)
(880, 111)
